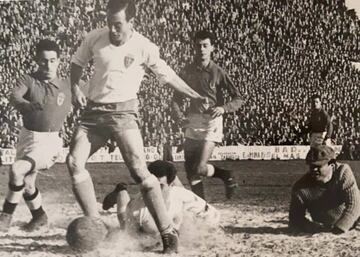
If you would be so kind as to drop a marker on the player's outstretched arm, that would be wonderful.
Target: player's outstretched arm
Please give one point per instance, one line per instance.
(166, 74)
(180, 86)
(297, 218)
(78, 97)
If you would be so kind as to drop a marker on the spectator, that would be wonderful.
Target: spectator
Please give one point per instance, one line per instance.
(278, 52)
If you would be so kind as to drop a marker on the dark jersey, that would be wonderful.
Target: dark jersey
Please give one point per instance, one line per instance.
(336, 202)
(53, 96)
(211, 82)
(319, 122)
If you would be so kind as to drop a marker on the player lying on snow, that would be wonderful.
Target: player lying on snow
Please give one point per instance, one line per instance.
(328, 192)
(180, 202)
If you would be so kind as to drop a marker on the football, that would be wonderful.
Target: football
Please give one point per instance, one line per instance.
(86, 233)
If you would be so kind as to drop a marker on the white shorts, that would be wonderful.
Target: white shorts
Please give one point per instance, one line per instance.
(317, 138)
(41, 147)
(203, 127)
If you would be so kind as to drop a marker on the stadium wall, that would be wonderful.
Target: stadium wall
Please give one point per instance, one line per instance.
(283, 152)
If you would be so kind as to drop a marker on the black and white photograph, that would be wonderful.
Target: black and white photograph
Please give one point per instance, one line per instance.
(145, 128)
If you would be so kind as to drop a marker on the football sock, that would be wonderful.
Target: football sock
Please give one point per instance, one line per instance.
(154, 201)
(34, 203)
(123, 200)
(8, 207)
(122, 220)
(223, 174)
(85, 195)
(197, 187)
(12, 199)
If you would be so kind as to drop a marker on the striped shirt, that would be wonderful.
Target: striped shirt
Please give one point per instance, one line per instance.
(333, 204)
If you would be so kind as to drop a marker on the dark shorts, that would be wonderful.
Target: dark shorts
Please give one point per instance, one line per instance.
(109, 123)
(108, 119)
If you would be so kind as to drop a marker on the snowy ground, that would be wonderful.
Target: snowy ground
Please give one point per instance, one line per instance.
(254, 224)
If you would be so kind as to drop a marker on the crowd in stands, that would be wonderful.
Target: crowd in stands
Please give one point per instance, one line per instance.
(277, 52)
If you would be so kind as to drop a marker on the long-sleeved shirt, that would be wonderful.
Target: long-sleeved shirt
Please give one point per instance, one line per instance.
(210, 82)
(333, 204)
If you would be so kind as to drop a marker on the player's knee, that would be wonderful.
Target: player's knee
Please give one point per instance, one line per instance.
(138, 171)
(77, 170)
(73, 164)
(17, 171)
(139, 174)
(80, 176)
(136, 178)
(30, 187)
(149, 183)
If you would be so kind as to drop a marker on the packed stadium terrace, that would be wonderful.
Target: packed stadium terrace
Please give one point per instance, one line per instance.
(278, 52)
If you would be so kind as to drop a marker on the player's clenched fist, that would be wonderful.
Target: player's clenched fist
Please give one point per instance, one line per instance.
(78, 97)
(205, 102)
(216, 111)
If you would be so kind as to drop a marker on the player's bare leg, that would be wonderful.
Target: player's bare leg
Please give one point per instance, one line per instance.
(17, 174)
(206, 169)
(83, 145)
(122, 200)
(33, 200)
(131, 146)
(203, 153)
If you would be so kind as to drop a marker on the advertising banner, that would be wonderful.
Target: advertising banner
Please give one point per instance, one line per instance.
(283, 152)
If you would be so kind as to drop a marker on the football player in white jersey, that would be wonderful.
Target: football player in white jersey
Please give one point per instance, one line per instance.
(181, 203)
(119, 55)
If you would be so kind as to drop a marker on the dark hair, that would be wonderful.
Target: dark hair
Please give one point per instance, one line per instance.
(47, 45)
(204, 34)
(115, 6)
(163, 169)
(314, 96)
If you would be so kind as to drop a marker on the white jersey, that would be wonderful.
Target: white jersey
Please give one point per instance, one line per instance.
(181, 203)
(118, 70)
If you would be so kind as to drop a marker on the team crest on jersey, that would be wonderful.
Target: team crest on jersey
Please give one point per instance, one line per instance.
(128, 60)
(60, 99)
